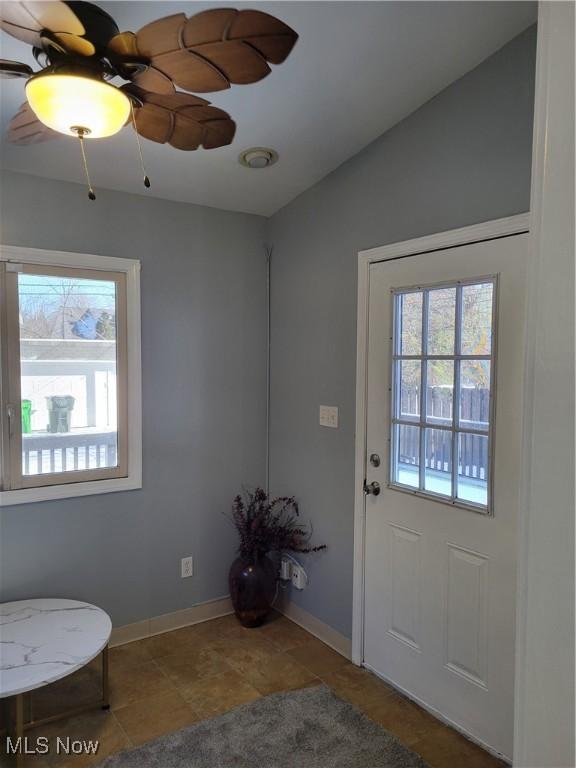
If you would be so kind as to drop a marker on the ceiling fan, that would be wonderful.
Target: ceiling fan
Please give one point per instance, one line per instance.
(80, 50)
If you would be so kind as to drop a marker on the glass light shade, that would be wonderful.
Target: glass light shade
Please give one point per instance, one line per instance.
(64, 102)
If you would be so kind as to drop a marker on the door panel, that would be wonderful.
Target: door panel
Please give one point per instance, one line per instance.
(405, 579)
(439, 577)
(466, 614)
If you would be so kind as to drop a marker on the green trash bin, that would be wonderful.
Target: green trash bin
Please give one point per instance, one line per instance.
(26, 417)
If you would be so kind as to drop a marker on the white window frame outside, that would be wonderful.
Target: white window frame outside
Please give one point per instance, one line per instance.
(132, 475)
(423, 423)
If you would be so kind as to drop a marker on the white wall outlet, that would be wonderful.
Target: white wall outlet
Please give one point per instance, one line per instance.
(329, 416)
(186, 567)
(285, 569)
(299, 576)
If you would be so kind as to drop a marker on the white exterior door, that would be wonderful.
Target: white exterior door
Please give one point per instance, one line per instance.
(444, 404)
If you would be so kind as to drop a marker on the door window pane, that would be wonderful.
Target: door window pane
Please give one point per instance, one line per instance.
(477, 319)
(409, 372)
(67, 373)
(439, 391)
(409, 323)
(441, 368)
(406, 455)
(475, 394)
(438, 461)
(473, 468)
(441, 321)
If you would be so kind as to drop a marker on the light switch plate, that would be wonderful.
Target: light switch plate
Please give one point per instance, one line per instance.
(329, 416)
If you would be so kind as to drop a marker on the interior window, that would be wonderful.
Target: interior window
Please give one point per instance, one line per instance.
(442, 391)
(66, 379)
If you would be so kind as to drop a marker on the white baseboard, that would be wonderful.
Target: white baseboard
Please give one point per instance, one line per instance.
(318, 628)
(169, 621)
(213, 609)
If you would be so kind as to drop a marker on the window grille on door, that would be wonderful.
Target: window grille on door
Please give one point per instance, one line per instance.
(443, 391)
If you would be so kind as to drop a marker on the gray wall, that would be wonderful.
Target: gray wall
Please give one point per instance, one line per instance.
(204, 386)
(462, 158)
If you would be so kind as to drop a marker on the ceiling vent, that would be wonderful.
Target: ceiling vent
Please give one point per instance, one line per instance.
(258, 157)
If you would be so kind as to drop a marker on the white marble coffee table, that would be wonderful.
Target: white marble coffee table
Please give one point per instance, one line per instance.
(44, 640)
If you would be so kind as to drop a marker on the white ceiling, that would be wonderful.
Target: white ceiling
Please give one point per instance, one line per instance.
(357, 69)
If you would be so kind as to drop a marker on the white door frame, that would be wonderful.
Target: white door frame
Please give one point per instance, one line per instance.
(544, 696)
(488, 230)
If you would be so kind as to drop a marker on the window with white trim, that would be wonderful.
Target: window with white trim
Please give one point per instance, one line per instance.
(70, 347)
(443, 391)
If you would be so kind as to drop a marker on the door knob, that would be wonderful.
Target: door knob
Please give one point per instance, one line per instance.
(372, 488)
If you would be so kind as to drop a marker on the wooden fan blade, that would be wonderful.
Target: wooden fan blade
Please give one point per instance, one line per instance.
(190, 72)
(154, 80)
(172, 101)
(239, 63)
(124, 44)
(53, 15)
(154, 123)
(219, 130)
(75, 44)
(10, 69)
(181, 120)
(27, 19)
(160, 36)
(208, 26)
(270, 36)
(215, 48)
(30, 36)
(186, 134)
(25, 128)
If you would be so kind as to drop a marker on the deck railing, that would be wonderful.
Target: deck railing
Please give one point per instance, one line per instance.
(474, 414)
(44, 452)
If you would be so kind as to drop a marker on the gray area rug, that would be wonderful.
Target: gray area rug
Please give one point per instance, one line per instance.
(308, 728)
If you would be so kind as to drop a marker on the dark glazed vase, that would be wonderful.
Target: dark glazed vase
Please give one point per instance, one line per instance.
(252, 584)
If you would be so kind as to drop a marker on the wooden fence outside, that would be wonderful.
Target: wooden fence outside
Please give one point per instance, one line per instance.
(474, 414)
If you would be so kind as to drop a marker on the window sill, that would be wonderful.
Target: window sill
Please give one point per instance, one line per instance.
(69, 490)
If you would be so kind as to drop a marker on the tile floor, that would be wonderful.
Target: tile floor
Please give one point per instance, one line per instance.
(164, 683)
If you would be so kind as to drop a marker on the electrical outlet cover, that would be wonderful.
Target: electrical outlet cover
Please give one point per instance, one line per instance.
(285, 569)
(186, 567)
(299, 577)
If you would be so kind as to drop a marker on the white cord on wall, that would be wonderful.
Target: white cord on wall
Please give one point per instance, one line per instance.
(268, 249)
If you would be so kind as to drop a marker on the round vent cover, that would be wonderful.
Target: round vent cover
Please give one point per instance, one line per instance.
(258, 157)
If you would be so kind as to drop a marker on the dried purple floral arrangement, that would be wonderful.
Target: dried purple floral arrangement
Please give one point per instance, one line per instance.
(267, 524)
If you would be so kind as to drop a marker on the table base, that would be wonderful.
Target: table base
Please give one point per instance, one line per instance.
(21, 724)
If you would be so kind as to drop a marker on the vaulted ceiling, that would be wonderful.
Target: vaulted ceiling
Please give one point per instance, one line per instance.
(357, 69)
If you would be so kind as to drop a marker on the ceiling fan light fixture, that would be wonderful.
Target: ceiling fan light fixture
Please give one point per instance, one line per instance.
(67, 103)
(258, 157)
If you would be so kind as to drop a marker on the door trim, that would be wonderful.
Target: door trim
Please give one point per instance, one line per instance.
(488, 230)
(545, 629)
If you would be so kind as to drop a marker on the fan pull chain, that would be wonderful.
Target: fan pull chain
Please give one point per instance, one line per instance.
(80, 134)
(146, 179)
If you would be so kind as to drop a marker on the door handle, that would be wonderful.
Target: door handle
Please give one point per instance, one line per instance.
(11, 414)
(372, 488)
